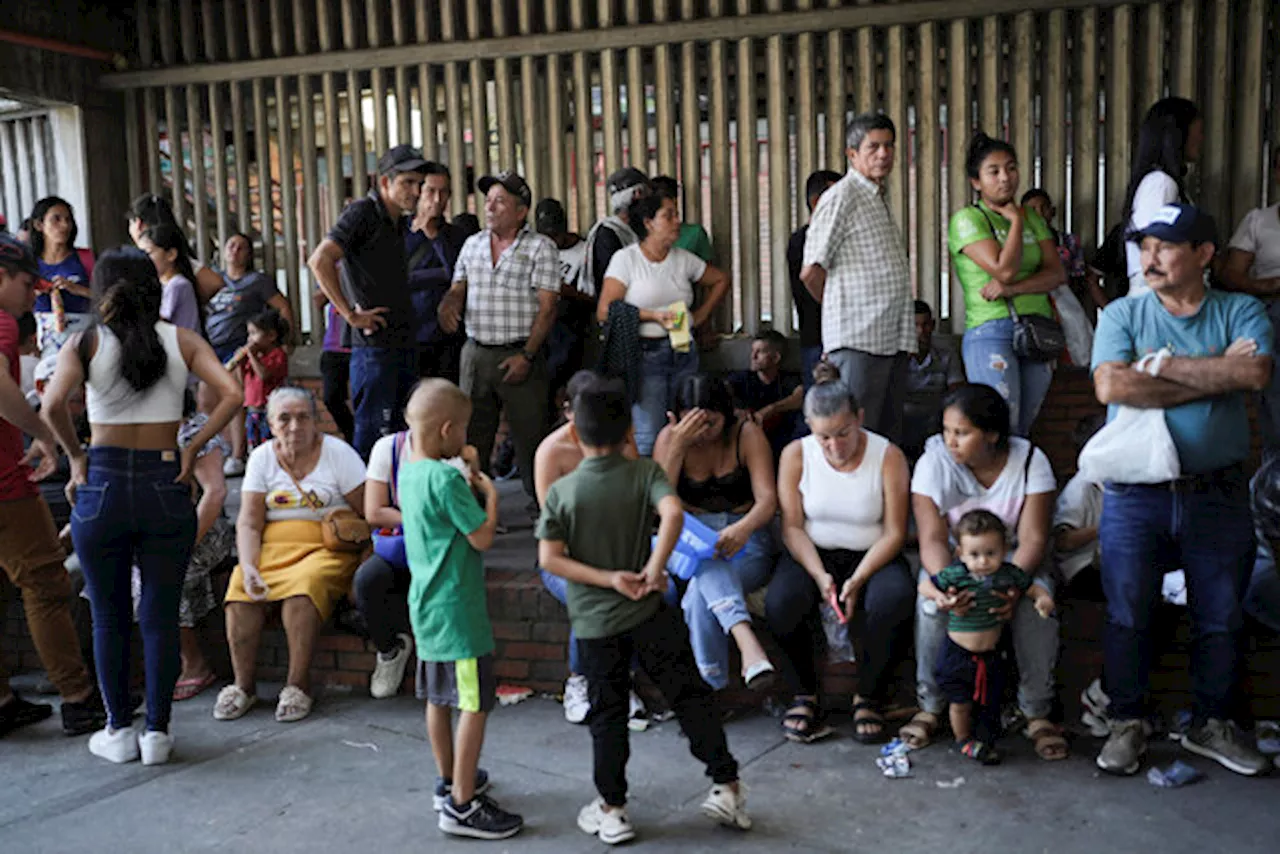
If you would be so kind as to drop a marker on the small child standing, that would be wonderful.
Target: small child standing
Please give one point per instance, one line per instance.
(969, 669)
(594, 533)
(444, 532)
(263, 366)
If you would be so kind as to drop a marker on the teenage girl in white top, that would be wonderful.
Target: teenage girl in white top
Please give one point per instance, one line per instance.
(130, 493)
(844, 493)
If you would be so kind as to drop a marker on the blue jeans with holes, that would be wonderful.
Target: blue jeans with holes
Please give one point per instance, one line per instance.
(381, 379)
(1146, 531)
(130, 512)
(716, 599)
(662, 371)
(989, 359)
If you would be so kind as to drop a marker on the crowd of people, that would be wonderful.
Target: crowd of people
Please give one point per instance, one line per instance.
(812, 487)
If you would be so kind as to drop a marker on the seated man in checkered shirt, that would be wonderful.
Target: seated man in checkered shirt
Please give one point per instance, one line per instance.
(855, 265)
(508, 277)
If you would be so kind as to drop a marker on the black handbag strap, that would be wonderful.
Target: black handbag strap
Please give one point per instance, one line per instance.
(1013, 312)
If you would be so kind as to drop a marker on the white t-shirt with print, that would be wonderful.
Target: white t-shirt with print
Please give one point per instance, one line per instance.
(571, 260)
(1155, 191)
(1259, 235)
(653, 285)
(1079, 506)
(338, 471)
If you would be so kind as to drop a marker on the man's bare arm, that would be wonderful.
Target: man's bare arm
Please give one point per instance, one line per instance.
(1218, 374)
(1117, 382)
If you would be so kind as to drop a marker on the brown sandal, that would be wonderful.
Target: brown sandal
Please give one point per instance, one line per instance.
(918, 732)
(1048, 740)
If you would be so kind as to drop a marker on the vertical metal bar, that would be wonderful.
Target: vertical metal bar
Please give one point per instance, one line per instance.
(172, 121)
(664, 115)
(262, 150)
(453, 112)
(133, 145)
(426, 89)
(377, 77)
(9, 173)
(195, 133)
(332, 116)
(1022, 86)
(895, 76)
(479, 103)
(959, 129)
(1215, 185)
(532, 134)
(1119, 105)
(721, 174)
(928, 170)
(1247, 124)
(355, 109)
(404, 95)
(868, 64)
(748, 182)
(26, 183)
(288, 172)
(502, 83)
(1053, 115)
(151, 123)
(1084, 155)
(39, 167)
(637, 111)
(836, 99)
(558, 175)
(990, 105)
(583, 128)
(691, 127)
(779, 179)
(239, 133)
(1153, 60)
(307, 141)
(1188, 43)
(611, 119)
(217, 127)
(806, 115)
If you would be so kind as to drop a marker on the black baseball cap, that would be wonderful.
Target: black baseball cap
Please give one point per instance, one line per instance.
(549, 217)
(624, 179)
(16, 256)
(402, 158)
(511, 182)
(1179, 224)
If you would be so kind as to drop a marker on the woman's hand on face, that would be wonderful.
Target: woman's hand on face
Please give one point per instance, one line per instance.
(254, 586)
(731, 540)
(1010, 210)
(689, 428)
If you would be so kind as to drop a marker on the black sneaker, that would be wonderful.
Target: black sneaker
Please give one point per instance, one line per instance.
(18, 713)
(444, 787)
(84, 717)
(480, 819)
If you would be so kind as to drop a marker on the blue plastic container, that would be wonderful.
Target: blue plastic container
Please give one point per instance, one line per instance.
(697, 543)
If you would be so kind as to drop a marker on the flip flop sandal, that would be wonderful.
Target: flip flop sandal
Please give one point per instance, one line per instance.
(875, 718)
(232, 703)
(188, 688)
(293, 705)
(807, 726)
(918, 732)
(1047, 739)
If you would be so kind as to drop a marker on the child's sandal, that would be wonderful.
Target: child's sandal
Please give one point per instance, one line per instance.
(979, 751)
(803, 723)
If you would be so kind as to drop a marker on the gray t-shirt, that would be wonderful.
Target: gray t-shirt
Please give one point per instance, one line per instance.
(229, 310)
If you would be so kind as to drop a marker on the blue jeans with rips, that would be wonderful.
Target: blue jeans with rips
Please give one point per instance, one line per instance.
(989, 359)
(662, 371)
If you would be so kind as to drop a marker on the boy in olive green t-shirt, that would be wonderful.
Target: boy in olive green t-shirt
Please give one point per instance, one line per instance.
(594, 532)
(444, 534)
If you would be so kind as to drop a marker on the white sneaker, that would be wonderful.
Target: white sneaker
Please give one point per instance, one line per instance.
(638, 719)
(576, 703)
(388, 673)
(155, 747)
(118, 745)
(727, 807)
(233, 467)
(611, 827)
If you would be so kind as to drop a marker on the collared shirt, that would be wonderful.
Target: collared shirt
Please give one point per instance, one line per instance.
(867, 304)
(372, 243)
(502, 298)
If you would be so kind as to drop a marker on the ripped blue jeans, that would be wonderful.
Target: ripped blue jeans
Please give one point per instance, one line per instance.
(716, 598)
(989, 359)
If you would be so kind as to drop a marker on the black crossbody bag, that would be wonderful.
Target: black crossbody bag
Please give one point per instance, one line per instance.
(1036, 338)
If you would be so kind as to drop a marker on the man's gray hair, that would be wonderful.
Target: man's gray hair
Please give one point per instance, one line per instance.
(289, 394)
(865, 124)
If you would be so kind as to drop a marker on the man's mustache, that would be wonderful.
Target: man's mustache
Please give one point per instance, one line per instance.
(1152, 271)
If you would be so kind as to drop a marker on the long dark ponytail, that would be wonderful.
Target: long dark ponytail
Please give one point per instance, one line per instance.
(168, 237)
(126, 296)
(1162, 144)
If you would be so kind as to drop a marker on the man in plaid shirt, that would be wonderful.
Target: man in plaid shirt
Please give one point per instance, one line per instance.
(508, 277)
(855, 265)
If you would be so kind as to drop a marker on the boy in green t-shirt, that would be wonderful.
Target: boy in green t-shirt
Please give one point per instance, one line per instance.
(594, 532)
(444, 533)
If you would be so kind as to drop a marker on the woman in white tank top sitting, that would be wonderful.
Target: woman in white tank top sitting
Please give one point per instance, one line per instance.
(131, 494)
(844, 493)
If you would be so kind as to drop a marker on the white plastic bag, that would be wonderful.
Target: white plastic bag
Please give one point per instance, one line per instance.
(1075, 324)
(1135, 446)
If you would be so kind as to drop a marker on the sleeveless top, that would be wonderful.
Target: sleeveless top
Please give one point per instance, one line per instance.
(111, 400)
(719, 494)
(843, 510)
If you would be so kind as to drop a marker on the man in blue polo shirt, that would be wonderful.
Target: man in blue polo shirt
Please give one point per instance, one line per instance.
(369, 238)
(1222, 350)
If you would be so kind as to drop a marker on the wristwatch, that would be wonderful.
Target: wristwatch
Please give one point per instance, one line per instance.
(528, 357)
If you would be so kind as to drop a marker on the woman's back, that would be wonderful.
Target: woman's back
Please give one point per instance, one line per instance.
(111, 400)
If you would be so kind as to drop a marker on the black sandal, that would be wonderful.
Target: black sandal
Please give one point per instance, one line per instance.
(806, 722)
(979, 751)
(874, 719)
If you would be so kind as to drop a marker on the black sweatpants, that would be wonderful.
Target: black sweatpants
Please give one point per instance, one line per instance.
(662, 646)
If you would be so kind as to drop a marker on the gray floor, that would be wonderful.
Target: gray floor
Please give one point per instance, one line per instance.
(357, 776)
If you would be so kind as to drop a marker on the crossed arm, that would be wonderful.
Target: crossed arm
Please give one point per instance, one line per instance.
(1182, 379)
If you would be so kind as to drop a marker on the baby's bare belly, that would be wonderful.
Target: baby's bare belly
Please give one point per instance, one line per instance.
(983, 641)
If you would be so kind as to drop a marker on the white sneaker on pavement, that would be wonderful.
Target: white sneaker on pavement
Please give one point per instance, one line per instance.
(610, 826)
(233, 467)
(638, 719)
(115, 745)
(576, 702)
(388, 672)
(727, 807)
(155, 747)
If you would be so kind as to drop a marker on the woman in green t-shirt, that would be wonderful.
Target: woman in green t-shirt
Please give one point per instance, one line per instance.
(1001, 251)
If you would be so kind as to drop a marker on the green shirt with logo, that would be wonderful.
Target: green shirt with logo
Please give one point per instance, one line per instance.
(975, 223)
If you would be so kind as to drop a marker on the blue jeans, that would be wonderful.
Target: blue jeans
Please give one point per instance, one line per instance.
(1206, 530)
(989, 359)
(662, 371)
(559, 589)
(381, 380)
(809, 359)
(715, 600)
(130, 512)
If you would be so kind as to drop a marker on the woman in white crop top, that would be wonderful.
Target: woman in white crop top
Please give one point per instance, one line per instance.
(844, 496)
(131, 494)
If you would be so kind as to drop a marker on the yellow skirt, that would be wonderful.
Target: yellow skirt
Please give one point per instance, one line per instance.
(294, 562)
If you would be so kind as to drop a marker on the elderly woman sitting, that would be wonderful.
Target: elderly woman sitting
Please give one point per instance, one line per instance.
(289, 485)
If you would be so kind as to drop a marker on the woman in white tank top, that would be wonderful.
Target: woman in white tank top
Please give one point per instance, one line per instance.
(130, 492)
(844, 493)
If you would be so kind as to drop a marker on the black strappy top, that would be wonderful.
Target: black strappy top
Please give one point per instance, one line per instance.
(719, 494)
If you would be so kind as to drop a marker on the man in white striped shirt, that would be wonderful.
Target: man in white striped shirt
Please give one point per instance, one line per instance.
(855, 264)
